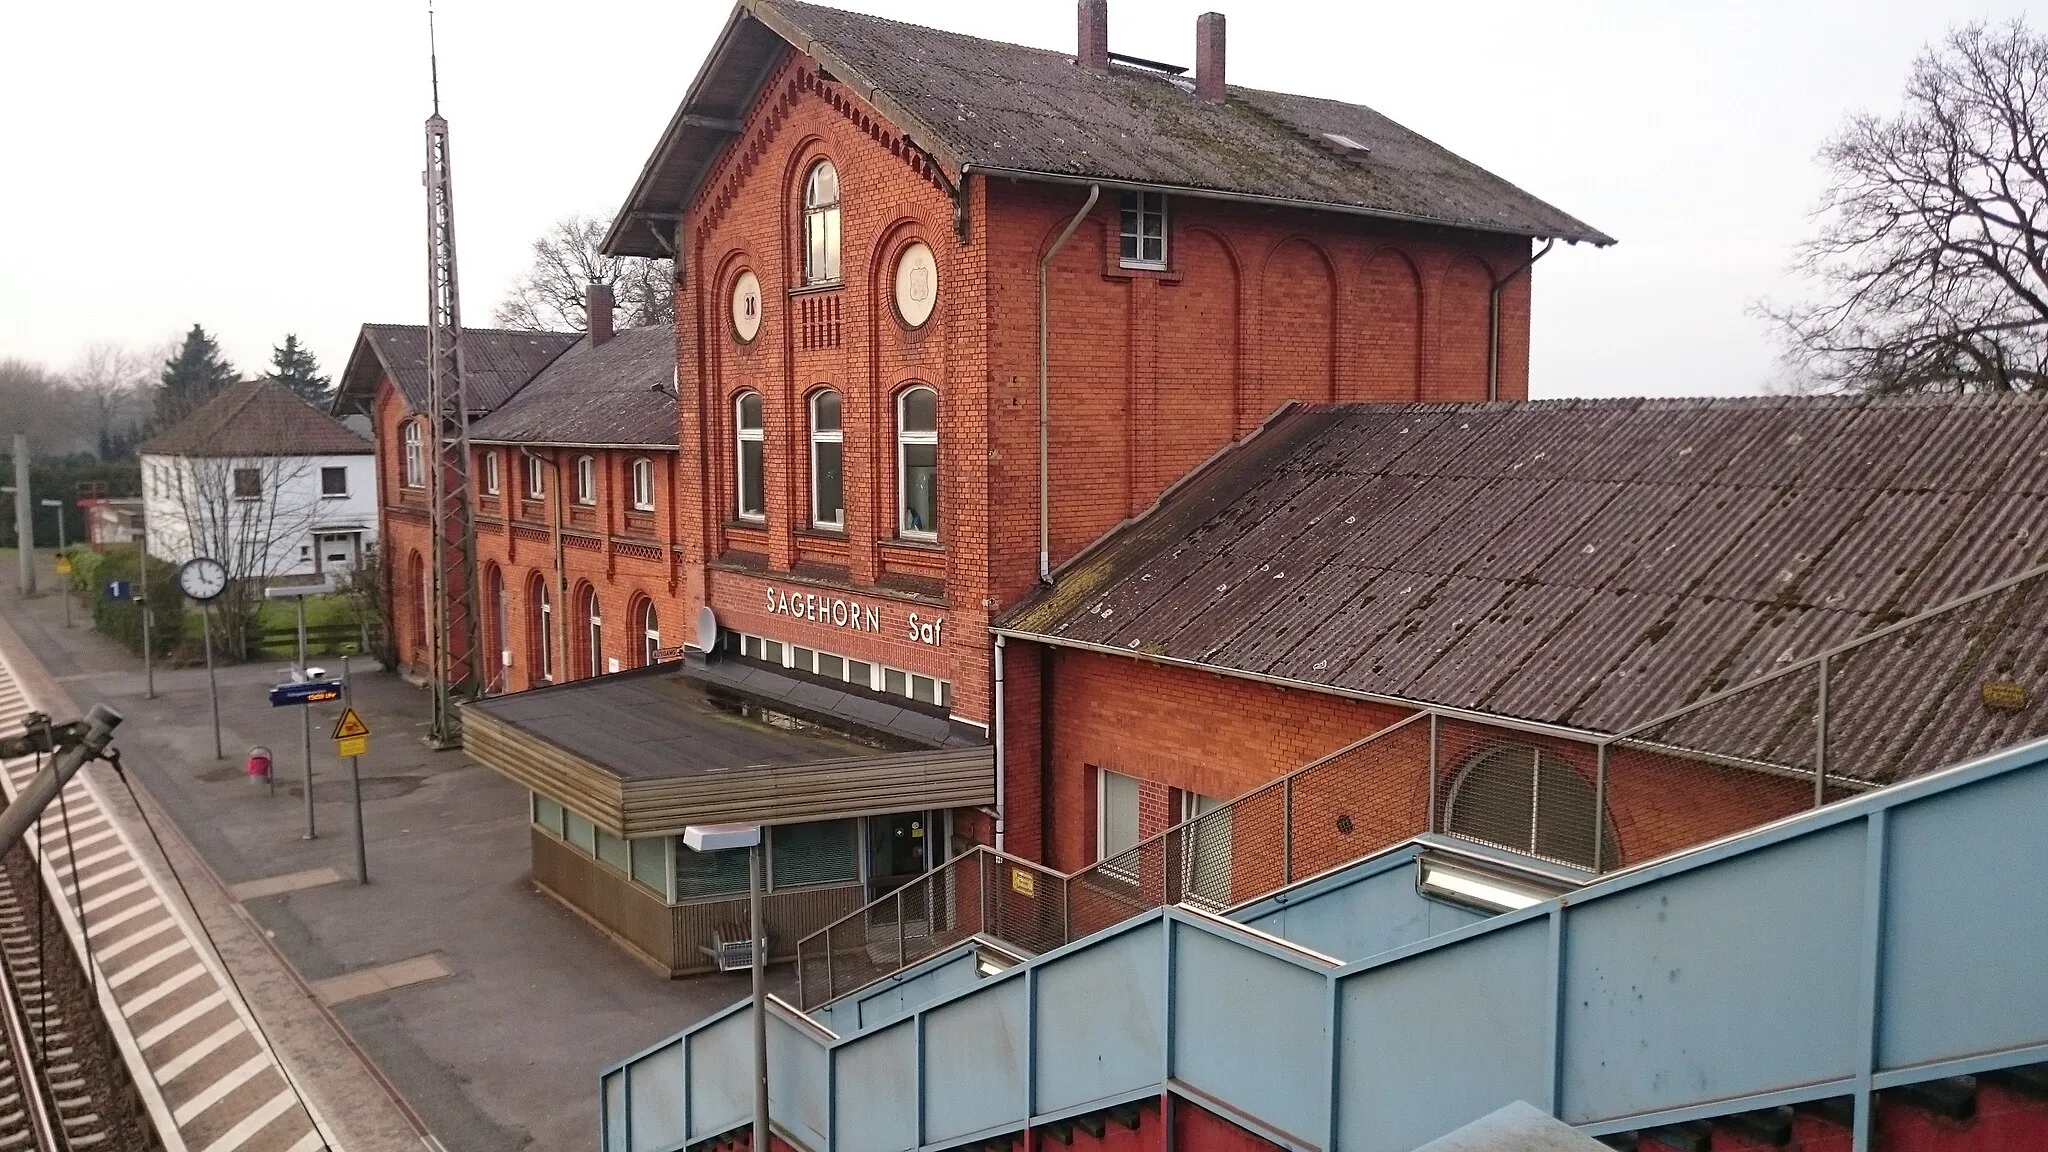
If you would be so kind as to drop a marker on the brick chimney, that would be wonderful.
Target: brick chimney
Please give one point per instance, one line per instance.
(1209, 56)
(597, 300)
(1093, 18)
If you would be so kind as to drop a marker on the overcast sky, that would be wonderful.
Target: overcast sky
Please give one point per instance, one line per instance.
(254, 166)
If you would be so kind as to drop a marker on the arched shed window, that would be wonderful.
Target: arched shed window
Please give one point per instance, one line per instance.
(821, 224)
(541, 620)
(1529, 799)
(650, 632)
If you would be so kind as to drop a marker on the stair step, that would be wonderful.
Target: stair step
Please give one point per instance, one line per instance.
(1691, 1136)
(2029, 1080)
(1768, 1126)
(1954, 1097)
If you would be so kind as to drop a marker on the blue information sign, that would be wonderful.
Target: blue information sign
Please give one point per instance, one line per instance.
(305, 692)
(117, 590)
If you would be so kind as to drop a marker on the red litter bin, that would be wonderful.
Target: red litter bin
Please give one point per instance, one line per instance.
(259, 765)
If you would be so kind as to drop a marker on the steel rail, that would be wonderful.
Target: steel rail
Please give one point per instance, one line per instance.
(31, 1074)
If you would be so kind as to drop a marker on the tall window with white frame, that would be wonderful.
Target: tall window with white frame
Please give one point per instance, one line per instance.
(415, 468)
(536, 478)
(917, 463)
(751, 487)
(543, 622)
(494, 583)
(425, 620)
(821, 224)
(1143, 229)
(1116, 819)
(490, 469)
(650, 632)
(586, 480)
(828, 458)
(593, 618)
(643, 484)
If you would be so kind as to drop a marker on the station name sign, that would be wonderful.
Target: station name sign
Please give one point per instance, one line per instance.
(849, 614)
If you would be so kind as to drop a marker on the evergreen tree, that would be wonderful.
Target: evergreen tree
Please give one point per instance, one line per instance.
(195, 374)
(293, 366)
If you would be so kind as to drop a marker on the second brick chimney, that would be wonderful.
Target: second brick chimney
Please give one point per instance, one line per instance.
(1209, 56)
(1093, 21)
(597, 303)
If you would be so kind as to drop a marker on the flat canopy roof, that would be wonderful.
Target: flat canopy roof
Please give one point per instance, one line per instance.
(648, 753)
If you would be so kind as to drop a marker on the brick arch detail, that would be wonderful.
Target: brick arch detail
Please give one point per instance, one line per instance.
(1391, 328)
(1296, 333)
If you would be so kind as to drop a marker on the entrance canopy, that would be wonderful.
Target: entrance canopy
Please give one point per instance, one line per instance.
(648, 753)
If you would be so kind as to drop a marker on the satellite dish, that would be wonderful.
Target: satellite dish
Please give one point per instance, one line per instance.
(707, 629)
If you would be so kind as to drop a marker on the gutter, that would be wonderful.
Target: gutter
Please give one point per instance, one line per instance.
(1044, 402)
(998, 721)
(1493, 319)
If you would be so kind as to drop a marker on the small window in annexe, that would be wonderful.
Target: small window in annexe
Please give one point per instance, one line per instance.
(1143, 229)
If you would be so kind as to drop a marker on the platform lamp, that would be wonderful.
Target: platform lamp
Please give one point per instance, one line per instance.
(719, 838)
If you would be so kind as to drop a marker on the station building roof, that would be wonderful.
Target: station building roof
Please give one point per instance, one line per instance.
(1585, 563)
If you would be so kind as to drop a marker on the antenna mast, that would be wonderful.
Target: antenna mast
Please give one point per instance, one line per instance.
(456, 641)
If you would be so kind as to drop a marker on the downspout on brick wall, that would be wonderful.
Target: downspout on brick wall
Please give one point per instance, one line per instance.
(1493, 319)
(1044, 399)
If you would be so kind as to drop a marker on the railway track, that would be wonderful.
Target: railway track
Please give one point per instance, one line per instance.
(53, 1095)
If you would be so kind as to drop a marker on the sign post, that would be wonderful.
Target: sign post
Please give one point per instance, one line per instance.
(297, 593)
(352, 740)
(63, 561)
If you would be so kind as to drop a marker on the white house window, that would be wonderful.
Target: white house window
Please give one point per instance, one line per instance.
(248, 484)
(415, 475)
(917, 463)
(828, 458)
(751, 484)
(1143, 229)
(586, 480)
(334, 481)
(821, 224)
(536, 478)
(1116, 814)
(650, 632)
(593, 617)
(544, 632)
(490, 473)
(643, 485)
(1205, 850)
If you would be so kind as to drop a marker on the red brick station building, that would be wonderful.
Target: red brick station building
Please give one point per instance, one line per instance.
(1052, 445)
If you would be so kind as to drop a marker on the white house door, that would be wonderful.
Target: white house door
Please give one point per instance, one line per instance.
(338, 551)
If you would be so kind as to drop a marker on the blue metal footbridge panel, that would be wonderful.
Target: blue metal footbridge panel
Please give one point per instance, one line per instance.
(1896, 937)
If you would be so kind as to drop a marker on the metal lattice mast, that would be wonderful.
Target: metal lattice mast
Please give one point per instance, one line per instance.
(456, 641)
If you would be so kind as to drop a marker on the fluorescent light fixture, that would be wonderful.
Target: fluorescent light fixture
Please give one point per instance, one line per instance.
(1483, 889)
(990, 964)
(719, 837)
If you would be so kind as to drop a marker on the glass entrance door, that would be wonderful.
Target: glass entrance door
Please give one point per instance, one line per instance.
(899, 850)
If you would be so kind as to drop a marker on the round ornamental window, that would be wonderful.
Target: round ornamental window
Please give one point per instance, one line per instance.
(917, 284)
(746, 307)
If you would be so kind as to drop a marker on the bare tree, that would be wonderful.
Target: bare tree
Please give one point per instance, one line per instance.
(1932, 252)
(548, 296)
(110, 386)
(250, 513)
(34, 401)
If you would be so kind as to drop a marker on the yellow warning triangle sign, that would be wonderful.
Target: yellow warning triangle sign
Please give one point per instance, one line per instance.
(349, 725)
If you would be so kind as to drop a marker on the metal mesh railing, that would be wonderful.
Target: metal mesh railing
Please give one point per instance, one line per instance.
(1910, 697)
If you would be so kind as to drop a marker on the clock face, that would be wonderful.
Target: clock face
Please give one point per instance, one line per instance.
(203, 578)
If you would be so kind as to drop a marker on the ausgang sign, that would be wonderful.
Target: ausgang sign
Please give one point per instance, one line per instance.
(849, 614)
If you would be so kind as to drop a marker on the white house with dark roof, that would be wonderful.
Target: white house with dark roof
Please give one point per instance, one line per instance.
(263, 482)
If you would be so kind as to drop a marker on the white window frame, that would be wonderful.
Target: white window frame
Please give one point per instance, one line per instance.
(415, 467)
(1138, 208)
(1102, 844)
(586, 480)
(491, 472)
(546, 624)
(536, 478)
(593, 631)
(643, 484)
(325, 470)
(742, 436)
(820, 436)
(905, 439)
(650, 634)
(821, 222)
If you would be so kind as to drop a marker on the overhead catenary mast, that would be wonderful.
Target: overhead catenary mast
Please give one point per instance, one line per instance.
(456, 641)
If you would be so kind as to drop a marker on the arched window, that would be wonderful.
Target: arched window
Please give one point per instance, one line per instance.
(593, 635)
(650, 632)
(917, 463)
(750, 483)
(498, 643)
(541, 619)
(828, 459)
(586, 480)
(536, 478)
(643, 484)
(415, 455)
(821, 224)
(423, 618)
(490, 472)
(1529, 799)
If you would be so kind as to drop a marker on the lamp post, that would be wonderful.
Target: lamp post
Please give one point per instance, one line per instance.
(718, 838)
(61, 545)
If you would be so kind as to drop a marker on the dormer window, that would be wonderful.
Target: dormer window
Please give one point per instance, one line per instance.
(1143, 229)
(821, 224)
